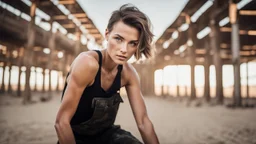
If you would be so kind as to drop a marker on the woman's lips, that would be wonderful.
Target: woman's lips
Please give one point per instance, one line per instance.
(121, 57)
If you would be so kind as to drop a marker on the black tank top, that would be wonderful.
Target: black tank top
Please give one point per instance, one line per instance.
(85, 110)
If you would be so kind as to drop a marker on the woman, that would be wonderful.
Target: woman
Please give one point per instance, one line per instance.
(91, 94)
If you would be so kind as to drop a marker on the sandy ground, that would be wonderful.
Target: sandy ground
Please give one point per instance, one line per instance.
(174, 122)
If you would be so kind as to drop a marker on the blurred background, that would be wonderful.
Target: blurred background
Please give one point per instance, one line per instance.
(199, 87)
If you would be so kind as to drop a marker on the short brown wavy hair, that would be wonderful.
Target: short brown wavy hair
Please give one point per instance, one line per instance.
(132, 16)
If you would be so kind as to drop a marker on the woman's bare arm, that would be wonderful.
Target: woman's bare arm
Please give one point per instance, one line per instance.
(83, 72)
(137, 103)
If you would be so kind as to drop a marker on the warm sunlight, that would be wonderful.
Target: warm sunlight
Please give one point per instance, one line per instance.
(174, 75)
(38, 78)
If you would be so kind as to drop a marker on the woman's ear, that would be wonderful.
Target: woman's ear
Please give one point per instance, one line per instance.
(106, 34)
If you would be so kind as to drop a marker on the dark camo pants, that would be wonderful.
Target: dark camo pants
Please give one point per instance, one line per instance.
(114, 135)
(99, 129)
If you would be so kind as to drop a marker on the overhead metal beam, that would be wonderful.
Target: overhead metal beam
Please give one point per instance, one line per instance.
(83, 19)
(248, 12)
(79, 15)
(66, 2)
(241, 32)
(93, 31)
(96, 35)
(68, 26)
(60, 17)
(88, 26)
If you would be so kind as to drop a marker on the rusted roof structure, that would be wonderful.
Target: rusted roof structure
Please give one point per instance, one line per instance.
(30, 38)
(218, 11)
(76, 10)
(206, 32)
(57, 15)
(14, 29)
(211, 32)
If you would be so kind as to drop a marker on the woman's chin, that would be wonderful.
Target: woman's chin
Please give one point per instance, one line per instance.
(120, 62)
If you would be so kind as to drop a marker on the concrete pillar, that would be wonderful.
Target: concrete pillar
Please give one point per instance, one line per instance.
(151, 83)
(192, 58)
(147, 79)
(247, 85)
(7, 63)
(177, 79)
(186, 90)
(43, 87)
(63, 68)
(19, 81)
(50, 82)
(247, 81)
(9, 80)
(215, 46)
(193, 87)
(235, 46)
(29, 53)
(51, 56)
(142, 75)
(2, 90)
(27, 92)
(35, 86)
(207, 72)
(21, 55)
(78, 43)
(162, 87)
(9, 58)
(58, 82)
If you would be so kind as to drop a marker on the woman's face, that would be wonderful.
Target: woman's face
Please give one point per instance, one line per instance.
(122, 42)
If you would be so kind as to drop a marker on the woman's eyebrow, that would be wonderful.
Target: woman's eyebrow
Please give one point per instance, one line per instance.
(119, 36)
(124, 38)
(134, 41)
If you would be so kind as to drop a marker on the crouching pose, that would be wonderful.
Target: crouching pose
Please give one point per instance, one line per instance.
(91, 98)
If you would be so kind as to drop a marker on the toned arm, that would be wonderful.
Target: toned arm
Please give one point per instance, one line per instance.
(137, 103)
(82, 74)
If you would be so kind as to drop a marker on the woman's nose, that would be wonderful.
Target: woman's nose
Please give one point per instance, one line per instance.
(123, 48)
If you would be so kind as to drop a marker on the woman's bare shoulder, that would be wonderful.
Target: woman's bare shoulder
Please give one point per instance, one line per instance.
(86, 60)
(128, 68)
(129, 73)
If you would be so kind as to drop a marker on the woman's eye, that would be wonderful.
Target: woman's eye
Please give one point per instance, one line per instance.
(134, 44)
(118, 39)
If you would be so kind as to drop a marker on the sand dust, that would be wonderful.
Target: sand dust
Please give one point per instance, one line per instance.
(174, 122)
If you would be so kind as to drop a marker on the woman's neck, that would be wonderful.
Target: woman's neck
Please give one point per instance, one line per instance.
(107, 63)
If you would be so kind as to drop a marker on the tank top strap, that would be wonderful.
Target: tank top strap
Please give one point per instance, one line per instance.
(117, 82)
(97, 82)
(100, 57)
(120, 68)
